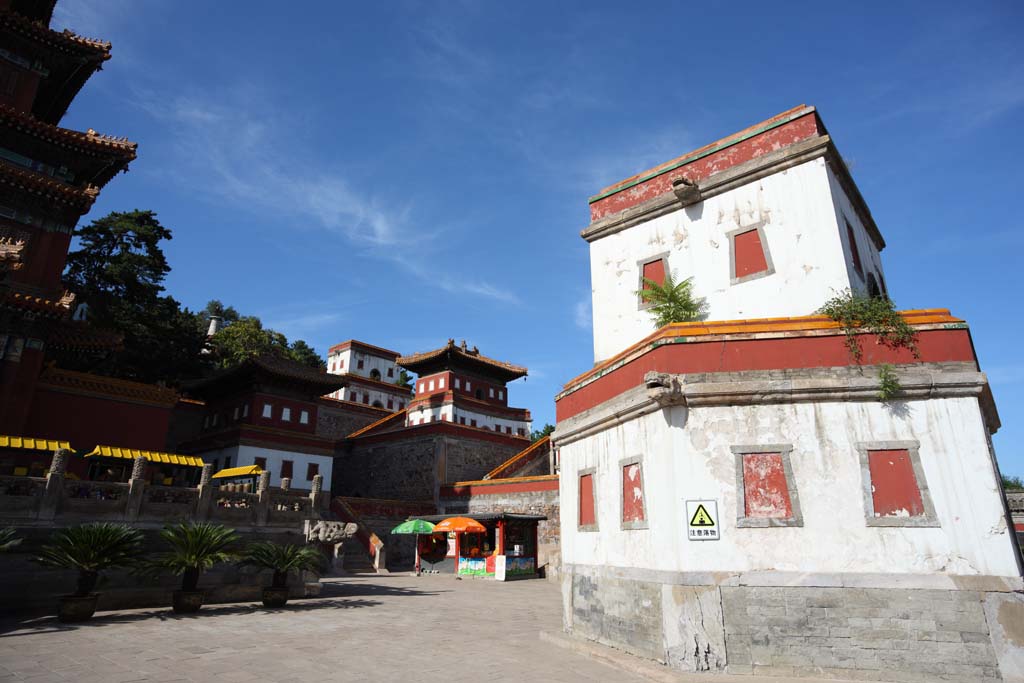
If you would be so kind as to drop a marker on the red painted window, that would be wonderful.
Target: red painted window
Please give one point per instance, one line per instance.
(586, 512)
(286, 469)
(472, 423)
(894, 488)
(391, 404)
(655, 272)
(765, 491)
(391, 372)
(462, 420)
(341, 363)
(632, 494)
(261, 463)
(853, 249)
(312, 469)
(366, 399)
(360, 365)
(749, 253)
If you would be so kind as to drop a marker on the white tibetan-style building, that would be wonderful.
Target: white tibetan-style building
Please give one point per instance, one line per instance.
(369, 375)
(735, 497)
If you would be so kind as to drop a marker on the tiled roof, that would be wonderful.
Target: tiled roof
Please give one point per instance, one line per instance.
(472, 356)
(41, 186)
(152, 456)
(282, 368)
(384, 353)
(37, 304)
(752, 329)
(89, 141)
(31, 444)
(88, 383)
(66, 41)
(82, 336)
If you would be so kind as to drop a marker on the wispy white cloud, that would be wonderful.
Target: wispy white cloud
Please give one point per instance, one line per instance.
(224, 153)
(583, 314)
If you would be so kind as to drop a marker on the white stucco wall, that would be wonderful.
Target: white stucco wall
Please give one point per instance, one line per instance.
(802, 237)
(451, 413)
(246, 455)
(686, 455)
(871, 258)
(351, 358)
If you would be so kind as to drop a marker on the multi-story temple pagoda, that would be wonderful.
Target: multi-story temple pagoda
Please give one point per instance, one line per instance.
(459, 384)
(49, 177)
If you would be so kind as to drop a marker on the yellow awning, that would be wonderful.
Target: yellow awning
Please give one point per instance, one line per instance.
(152, 456)
(31, 444)
(247, 471)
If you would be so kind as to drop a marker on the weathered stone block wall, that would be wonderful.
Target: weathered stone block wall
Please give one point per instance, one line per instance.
(891, 634)
(337, 422)
(885, 634)
(470, 459)
(402, 469)
(414, 467)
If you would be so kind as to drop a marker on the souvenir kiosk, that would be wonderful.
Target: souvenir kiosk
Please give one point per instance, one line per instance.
(507, 549)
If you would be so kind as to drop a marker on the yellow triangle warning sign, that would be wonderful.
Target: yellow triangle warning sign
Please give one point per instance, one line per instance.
(701, 517)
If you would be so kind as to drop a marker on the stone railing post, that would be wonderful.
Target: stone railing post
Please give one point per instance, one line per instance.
(136, 489)
(263, 499)
(204, 498)
(286, 483)
(316, 494)
(54, 492)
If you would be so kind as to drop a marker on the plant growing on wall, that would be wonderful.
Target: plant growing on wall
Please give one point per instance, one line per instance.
(877, 315)
(671, 301)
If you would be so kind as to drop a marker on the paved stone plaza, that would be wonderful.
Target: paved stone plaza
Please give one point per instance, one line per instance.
(363, 628)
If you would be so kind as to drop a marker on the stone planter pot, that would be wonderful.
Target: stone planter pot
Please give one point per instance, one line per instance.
(275, 597)
(74, 608)
(187, 602)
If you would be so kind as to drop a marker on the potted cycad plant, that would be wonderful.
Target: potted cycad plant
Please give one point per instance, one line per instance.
(90, 549)
(670, 301)
(282, 560)
(194, 548)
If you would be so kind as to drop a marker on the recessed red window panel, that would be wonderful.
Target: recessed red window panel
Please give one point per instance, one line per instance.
(894, 488)
(655, 272)
(765, 491)
(749, 253)
(586, 513)
(632, 494)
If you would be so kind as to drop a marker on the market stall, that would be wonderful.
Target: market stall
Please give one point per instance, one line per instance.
(502, 547)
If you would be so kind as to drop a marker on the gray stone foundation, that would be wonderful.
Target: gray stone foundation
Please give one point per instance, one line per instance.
(891, 633)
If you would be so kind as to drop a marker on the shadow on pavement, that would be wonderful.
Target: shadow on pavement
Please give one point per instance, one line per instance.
(12, 628)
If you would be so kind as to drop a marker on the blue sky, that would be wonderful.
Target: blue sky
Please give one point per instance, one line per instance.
(402, 173)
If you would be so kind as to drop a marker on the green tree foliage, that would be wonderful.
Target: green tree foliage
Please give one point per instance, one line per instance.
(671, 301)
(538, 434)
(283, 559)
(214, 307)
(404, 379)
(1013, 483)
(90, 549)
(118, 271)
(194, 548)
(247, 337)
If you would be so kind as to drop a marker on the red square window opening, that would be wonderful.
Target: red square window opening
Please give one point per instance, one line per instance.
(748, 253)
(586, 512)
(366, 399)
(391, 372)
(391, 404)
(894, 488)
(472, 423)
(286, 469)
(632, 493)
(341, 364)
(312, 469)
(360, 365)
(655, 272)
(261, 463)
(765, 491)
(854, 252)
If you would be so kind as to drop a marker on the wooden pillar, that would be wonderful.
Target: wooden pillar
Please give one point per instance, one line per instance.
(458, 553)
(536, 547)
(501, 538)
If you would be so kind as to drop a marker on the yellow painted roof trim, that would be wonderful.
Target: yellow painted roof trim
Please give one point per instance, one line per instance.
(152, 456)
(247, 471)
(29, 443)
